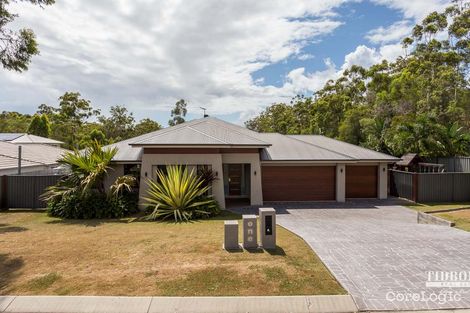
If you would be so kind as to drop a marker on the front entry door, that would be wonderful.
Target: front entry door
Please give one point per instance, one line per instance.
(235, 179)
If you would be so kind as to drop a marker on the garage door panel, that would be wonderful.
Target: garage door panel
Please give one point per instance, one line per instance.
(298, 183)
(361, 181)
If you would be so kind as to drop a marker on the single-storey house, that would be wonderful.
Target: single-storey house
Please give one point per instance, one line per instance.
(34, 159)
(256, 166)
(25, 139)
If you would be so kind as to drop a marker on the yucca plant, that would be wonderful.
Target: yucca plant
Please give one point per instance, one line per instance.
(179, 194)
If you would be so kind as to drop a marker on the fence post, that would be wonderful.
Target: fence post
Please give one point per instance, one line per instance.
(4, 193)
(415, 187)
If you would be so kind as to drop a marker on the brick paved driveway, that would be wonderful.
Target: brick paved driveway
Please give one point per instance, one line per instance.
(379, 251)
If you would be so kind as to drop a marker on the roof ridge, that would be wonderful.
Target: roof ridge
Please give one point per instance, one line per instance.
(309, 143)
(240, 133)
(350, 144)
(164, 131)
(207, 135)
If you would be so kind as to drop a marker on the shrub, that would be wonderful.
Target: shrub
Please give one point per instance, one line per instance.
(180, 195)
(81, 194)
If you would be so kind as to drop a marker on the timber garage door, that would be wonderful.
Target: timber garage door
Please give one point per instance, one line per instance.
(298, 183)
(361, 181)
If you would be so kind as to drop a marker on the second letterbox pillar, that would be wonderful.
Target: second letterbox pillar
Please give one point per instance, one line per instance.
(250, 238)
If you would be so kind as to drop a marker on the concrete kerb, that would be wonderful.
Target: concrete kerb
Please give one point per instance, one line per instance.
(95, 304)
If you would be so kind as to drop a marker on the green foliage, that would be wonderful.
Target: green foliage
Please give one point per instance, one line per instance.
(40, 126)
(410, 105)
(75, 122)
(81, 194)
(17, 47)
(119, 125)
(180, 195)
(178, 113)
(14, 122)
(145, 126)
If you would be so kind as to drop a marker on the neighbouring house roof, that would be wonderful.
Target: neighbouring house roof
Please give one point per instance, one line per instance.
(408, 158)
(22, 138)
(31, 155)
(211, 131)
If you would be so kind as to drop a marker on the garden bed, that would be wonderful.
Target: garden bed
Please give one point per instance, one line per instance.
(44, 255)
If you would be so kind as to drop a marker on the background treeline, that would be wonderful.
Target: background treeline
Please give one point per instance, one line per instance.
(420, 103)
(75, 122)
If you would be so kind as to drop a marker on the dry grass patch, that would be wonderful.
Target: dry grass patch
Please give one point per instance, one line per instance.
(43, 255)
(429, 207)
(460, 218)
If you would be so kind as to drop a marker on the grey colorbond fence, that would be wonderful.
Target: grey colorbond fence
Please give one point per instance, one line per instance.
(24, 192)
(454, 164)
(430, 187)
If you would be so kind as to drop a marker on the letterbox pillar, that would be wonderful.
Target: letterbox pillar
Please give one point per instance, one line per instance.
(267, 218)
(250, 234)
(231, 235)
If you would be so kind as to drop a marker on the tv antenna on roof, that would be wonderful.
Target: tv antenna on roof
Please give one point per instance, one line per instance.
(204, 109)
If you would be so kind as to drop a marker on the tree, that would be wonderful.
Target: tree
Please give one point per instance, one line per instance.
(409, 105)
(69, 119)
(17, 47)
(40, 126)
(14, 122)
(178, 113)
(145, 126)
(119, 125)
(277, 118)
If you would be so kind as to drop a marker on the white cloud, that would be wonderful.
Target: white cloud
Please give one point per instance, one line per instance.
(415, 9)
(146, 54)
(395, 32)
(305, 56)
(300, 81)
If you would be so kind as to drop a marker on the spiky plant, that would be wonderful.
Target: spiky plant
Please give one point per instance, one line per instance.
(122, 184)
(179, 194)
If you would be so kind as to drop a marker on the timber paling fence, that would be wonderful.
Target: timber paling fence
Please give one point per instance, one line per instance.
(430, 187)
(23, 192)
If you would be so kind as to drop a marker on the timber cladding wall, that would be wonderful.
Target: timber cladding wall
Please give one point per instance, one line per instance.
(361, 181)
(298, 183)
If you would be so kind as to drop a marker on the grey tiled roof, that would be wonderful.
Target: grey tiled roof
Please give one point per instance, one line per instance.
(275, 147)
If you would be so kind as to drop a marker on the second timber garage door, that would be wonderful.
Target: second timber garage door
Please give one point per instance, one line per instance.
(361, 181)
(298, 183)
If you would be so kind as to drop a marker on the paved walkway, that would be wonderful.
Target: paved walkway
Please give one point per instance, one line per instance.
(66, 304)
(379, 251)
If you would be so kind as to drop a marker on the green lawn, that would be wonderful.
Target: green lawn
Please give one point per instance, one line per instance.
(44, 255)
(461, 218)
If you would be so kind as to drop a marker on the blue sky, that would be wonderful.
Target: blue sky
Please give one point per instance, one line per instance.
(232, 57)
(357, 18)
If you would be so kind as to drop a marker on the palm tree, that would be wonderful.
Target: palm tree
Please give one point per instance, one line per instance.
(87, 171)
(456, 140)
